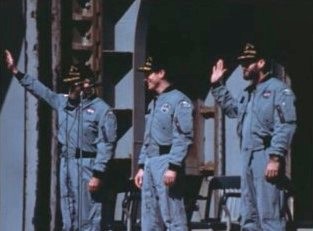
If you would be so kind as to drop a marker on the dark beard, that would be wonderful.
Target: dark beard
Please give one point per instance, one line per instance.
(89, 93)
(252, 75)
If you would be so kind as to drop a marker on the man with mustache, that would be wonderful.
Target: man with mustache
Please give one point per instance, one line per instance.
(266, 124)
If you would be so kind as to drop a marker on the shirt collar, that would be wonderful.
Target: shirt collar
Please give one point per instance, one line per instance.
(259, 85)
(169, 88)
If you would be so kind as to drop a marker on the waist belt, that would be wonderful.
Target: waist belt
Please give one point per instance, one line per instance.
(84, 154)
(164, 149)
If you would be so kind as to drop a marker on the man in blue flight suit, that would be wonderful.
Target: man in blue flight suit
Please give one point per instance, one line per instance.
(266, 124)
(86, 132)
(168, 134)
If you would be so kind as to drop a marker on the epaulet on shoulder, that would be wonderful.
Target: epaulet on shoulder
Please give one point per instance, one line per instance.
(280, 85)
(100, 101)
(180, 93)
(179, 96)
(65, 95)
(278, 82)
(287, 91)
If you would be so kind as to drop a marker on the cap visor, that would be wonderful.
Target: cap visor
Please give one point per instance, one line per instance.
(144, 69)
(246, 57)
(71, 79)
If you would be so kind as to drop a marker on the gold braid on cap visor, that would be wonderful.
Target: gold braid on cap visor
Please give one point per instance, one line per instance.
(73, 75)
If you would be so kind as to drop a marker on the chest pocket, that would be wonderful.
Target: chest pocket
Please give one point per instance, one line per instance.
(164, 117)
(90, 122)
(263, 108)
(62, 119)
(66, 119)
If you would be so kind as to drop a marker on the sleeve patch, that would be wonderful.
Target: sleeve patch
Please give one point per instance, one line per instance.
(183, 117)
(287, 92)
(110, 127)
(286, 107)
(185, 104)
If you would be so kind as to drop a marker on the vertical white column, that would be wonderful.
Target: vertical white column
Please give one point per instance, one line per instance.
(56, 66)
(31, 115)
(12, 154)
(124, 32)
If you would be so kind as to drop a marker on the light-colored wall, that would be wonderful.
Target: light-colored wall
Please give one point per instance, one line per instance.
(235, 84)
(124, 90)
(125, 29)
(12, 158)
(19, 138)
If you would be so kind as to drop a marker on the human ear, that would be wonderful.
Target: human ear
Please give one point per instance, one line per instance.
(161, 73)
(261, 63)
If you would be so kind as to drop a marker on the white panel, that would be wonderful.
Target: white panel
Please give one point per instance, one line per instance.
(31, 131)
(124, 146)
(12, 156)
(209, 132)
(125, 29)
(235, 84)
(124, 90)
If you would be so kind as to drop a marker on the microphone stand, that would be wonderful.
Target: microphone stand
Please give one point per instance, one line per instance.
(79, 144)
(66, 158)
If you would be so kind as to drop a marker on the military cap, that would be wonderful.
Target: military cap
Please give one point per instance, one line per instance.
(77, 73)
(248, 53)
(151, 64)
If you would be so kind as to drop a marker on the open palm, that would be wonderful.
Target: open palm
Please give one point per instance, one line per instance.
(9, 62)
(217, 71)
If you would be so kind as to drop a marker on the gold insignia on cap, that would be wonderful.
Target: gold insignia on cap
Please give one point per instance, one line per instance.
(147, 65)
(249, 46)
(249, 52)
(72, 75)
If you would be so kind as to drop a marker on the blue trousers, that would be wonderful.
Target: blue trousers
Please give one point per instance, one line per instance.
(262, 201)
(89, 206)
(162, 207)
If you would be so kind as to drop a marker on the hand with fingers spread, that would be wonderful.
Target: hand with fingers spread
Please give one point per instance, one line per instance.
(10, 63)
(218, 71)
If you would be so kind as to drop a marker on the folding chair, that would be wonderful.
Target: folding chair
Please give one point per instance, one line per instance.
(130, 218)
(289, 194)
(227, 191)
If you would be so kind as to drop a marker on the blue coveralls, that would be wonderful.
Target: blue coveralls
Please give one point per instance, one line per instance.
(168, 133)
(87, 130)
(266, 124)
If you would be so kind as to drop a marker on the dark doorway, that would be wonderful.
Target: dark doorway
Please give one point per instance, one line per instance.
(192, 35)
(11, 13)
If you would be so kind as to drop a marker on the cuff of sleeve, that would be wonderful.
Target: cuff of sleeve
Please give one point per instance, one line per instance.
(216, 84)
(276, 156)
(141, 166)
(174, 167)
(98, 174)
(19, 75)
(276, 152)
